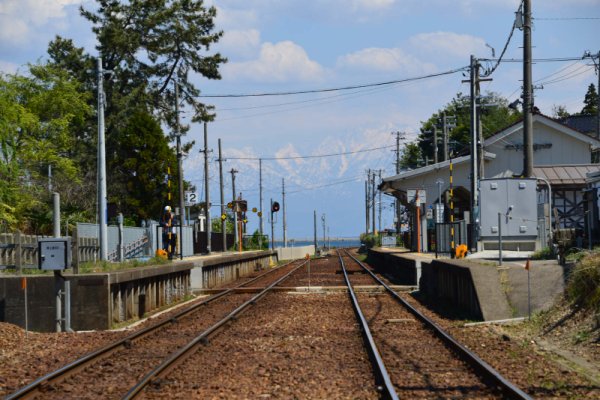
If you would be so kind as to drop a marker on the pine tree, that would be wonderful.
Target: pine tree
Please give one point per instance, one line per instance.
(590, 101)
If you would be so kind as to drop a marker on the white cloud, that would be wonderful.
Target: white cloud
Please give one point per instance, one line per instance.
(384, 59)
(448, 44)
(277, 62)
(19, 18)
(240, 43)
(8, 67)
(372, 4)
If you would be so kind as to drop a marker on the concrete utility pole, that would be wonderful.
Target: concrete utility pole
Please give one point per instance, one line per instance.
(206, 190)
(445, 136)
(527, 93)
(223, 222)
(474, 82)
(272, 227)
(367, 206)
(235, 219)
(283, 206)
(235, 233)
(102, 196)
(315, 230)
(397, 202)
(435, 147)
(597, 65)
(324, 232)
(260, 196)
(379, 203)
(179, 171)
(373, 193)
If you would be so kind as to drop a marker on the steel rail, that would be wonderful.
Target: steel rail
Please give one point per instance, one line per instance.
(386, 385)
(484, 369)
(64, 372)
(186, 351)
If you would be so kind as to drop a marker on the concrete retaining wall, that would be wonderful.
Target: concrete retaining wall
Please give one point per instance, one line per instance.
(405, 269)
(98, 301)
(294, 253)
(213, 272)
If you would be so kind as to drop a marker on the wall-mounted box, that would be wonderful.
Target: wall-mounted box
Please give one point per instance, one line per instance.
(54, 253)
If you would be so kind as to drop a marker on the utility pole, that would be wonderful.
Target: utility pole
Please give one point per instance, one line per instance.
(367, 207)
(283, 205)
(179, 171)
(527, 93)
(435, 146)
(272, 228)
(102, 196)
(324, 232)
(474, 81)
(445, 136)
(379, 203)
(315, 230)
(260, 196)
(597, 65)
(206, 190)
(223, 222)
(235, 219)
(397, 202)
(373, 199)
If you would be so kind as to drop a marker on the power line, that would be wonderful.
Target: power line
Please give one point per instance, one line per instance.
(315, 156)
(565, 18)
(537, 60)
(491, 70)
(367, 85)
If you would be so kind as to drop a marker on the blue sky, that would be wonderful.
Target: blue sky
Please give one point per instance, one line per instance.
(277, 45)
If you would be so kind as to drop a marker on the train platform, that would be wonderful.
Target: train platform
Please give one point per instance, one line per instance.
(477, 286)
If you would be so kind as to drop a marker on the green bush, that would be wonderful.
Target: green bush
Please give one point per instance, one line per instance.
(370, 240)
(543, 254)
(583, 287)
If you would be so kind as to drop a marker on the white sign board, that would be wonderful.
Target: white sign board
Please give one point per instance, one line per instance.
(439, 213)
(190, 198)
(411, 195)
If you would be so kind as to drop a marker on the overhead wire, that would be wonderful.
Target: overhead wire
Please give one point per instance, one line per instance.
(491, 70)
(312, 156)
(325, 90)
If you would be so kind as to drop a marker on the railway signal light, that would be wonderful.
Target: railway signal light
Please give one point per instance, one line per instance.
(275, 207)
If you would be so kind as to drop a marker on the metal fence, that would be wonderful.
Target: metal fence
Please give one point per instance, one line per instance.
(443, 236)
(18, 251)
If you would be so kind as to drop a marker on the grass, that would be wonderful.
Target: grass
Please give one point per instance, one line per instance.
(105, 266)
(583, 288)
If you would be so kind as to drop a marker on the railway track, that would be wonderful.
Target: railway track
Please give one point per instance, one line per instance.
(412, 356)
(112, 370)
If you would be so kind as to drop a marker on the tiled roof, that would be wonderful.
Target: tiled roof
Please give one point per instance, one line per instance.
(565, 174)
(581, 123)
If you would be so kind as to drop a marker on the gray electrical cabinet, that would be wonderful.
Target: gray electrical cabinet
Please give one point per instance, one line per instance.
(54, 253)
(516, 200)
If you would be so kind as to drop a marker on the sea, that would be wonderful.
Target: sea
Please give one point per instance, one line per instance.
(332, 243)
